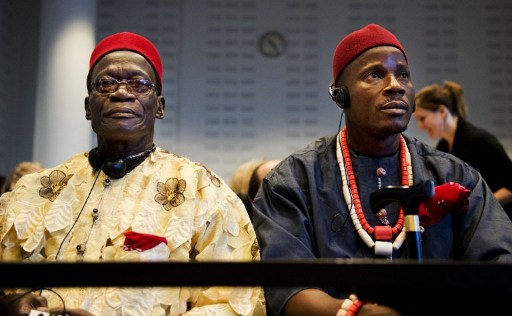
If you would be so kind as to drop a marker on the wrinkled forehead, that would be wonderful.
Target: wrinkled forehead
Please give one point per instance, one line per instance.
(123, 61)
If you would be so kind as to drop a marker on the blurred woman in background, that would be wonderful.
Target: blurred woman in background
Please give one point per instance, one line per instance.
(442, 112)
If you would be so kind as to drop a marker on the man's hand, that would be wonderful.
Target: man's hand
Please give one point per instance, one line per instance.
(21, 304)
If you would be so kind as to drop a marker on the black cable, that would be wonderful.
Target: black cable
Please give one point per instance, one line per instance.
(78, 217)
(64, 312)
(341, 119)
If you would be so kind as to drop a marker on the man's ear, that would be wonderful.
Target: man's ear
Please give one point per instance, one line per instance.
(160, 107)
(87, 108)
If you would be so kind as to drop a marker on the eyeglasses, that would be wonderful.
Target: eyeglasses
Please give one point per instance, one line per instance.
(134, 86)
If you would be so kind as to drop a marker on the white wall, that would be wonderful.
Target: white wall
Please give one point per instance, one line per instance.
(67, 40)
(227, 102)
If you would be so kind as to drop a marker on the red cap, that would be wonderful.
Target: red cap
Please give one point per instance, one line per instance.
(128, 41)
(359, 41)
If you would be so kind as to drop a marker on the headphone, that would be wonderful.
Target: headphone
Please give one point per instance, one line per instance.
(340, 95)
(115, 169)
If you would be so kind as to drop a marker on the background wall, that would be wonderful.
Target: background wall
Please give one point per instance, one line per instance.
(19, 47)
(248, 78)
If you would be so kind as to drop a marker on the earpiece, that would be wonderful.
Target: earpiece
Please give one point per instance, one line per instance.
(340, 95)
(94, 159)
(115, 169)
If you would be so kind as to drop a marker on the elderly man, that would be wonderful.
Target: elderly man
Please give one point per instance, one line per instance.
(127, 200)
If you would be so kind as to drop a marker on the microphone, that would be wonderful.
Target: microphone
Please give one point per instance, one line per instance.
(116, 169)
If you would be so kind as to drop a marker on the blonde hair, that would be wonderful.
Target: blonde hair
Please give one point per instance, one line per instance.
(21, 169)
(450, 94)
(242, 177)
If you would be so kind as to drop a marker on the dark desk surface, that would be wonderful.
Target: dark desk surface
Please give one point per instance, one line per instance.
(367, 273)
(437, 282)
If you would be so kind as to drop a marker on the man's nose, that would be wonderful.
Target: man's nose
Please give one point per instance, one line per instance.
(394, 86)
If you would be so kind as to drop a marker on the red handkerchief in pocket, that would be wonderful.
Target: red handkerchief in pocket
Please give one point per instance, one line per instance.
(141, 242)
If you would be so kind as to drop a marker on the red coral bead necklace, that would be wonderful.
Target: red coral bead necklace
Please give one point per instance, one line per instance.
(386, 238)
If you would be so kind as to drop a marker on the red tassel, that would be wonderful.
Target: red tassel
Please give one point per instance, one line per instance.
(448, 197)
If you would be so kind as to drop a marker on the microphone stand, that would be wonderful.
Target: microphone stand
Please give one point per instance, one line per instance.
(410, 198)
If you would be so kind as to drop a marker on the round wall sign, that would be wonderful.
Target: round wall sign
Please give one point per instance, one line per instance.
(272, 44)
